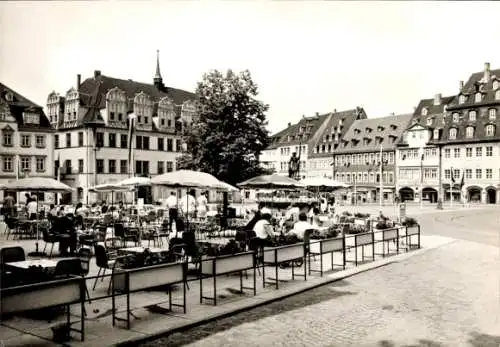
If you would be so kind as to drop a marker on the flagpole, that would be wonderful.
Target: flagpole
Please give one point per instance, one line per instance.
(421, 177)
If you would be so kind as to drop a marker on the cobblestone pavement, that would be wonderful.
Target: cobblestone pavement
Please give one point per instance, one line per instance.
(444, 297)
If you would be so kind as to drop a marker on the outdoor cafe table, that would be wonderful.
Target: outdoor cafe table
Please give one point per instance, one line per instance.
(215, 241)
(139, 250)
(49, 264)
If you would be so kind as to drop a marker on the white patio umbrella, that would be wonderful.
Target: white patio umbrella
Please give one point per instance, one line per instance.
(135, 181)
(38, 184)
(110, 187)
(323, 182)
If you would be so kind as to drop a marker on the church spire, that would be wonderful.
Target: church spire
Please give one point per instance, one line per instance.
(158, 80)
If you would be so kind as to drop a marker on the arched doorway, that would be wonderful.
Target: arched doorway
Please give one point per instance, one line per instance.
(491, 195)
(474, 194)
(430, 194)
(406, 194)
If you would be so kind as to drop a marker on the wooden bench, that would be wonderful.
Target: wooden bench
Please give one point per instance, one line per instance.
(275, 256)
(125, 282)
(321, 247)
(65, 292)
(227, 264)
(385, 236)
(363, 240)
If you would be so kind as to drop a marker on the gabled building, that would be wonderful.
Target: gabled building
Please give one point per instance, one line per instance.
(26, 145)
(470, 140)
(93, 119)
(295, 138)
(417, 161)
(365, 158)
(328, 139)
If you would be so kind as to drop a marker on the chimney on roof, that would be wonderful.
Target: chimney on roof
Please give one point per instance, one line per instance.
(78, 81)
(437, 99)
(317, 114)
(334, 110)
(97, 73)
(289, 124)
(487, 72)
(460, 85)
(303, 116)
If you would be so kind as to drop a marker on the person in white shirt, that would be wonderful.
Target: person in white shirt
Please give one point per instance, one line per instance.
(172, 204)
(188, 204)
(301, 226)
(202, 205)
(31, 208)
(263, 228)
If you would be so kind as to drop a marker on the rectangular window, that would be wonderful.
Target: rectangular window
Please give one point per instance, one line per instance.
(112, 166)
(456, 173)
(112, 140)
(138, 142)
(468, 174)
(25, 140)
(468, 152)
(145, 142)
(111, 116)
(479, 151)
(447, 153)
(25, 164)
(8, 164)
(68, 140)
(7, 138)
(161, 146)
(447, 174)
(142, 167)
(100, 166)
(40, 164)
(80, 139)
(56, 141)
(67, 165)
(489, 151)
(456, 152)
(40, 141)
(123, 166)
(178, 146)
(479, 173)
(170, 145)
(123, 141)
(80, 165)
(99, 139)
(161, 167)
(489, 173)
(170, 166)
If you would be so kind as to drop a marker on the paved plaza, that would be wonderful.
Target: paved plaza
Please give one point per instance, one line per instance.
(444, 297)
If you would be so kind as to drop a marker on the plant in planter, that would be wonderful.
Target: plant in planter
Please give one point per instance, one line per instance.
(409, 222)
(356, 229)
(346, 213)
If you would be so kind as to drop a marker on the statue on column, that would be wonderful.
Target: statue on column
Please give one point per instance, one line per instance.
(294, 166)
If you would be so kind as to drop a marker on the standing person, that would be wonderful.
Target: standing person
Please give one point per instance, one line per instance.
(188, 204)
(172, 203)
(9, 206)
(31, 208)
(202, 205)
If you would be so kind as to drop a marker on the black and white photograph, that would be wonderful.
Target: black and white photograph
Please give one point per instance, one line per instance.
(249, 173)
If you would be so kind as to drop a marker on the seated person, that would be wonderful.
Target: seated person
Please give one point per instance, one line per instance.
(301, 226)
(315, 218)
(64, 228)
(263, 228)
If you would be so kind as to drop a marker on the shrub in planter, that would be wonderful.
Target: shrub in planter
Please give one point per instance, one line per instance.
(346, 213)
(332, 232)
(409, 222)
(356, 229)
(361, 215)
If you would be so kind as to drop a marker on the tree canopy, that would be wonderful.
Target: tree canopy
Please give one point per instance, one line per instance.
(229, 131)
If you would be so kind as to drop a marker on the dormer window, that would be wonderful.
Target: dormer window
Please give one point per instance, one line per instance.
(31, 118)
(455, 117)
(9, 96)
(472, 116)
(357, 131)
(380, 128)
(461, 99)
(368, 130)
(452, 135)
(393, 127)
(492, 114)
(289, 138)
(429, 121)
(478, 97)
(490, 130)
(436, 134)
(424, 111)
(469, 132)
(496, 84)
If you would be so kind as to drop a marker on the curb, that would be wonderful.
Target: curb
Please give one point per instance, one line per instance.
(153, 336)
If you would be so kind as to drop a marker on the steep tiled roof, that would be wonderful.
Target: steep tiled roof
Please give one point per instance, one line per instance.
(365, 135)
(93, 92)
(433, 116)
(346, 119)
(301, 132)
(476, 83)
(19, 104)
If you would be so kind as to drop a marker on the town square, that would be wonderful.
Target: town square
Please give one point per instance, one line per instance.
(249, 173)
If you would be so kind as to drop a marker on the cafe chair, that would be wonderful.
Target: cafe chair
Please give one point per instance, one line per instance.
(84, 254)
(12, 254)
(104, 263)
(51, 238)
(66, 268)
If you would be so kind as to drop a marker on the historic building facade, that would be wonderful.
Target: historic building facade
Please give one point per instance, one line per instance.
(365, 158)
(26, 144)
(470, 139)
(99, 119)
(329, 138)
(418, 161)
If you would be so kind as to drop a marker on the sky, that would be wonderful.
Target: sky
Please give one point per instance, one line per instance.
(306, 57)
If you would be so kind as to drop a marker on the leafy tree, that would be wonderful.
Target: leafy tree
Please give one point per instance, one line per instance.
(228, 133)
